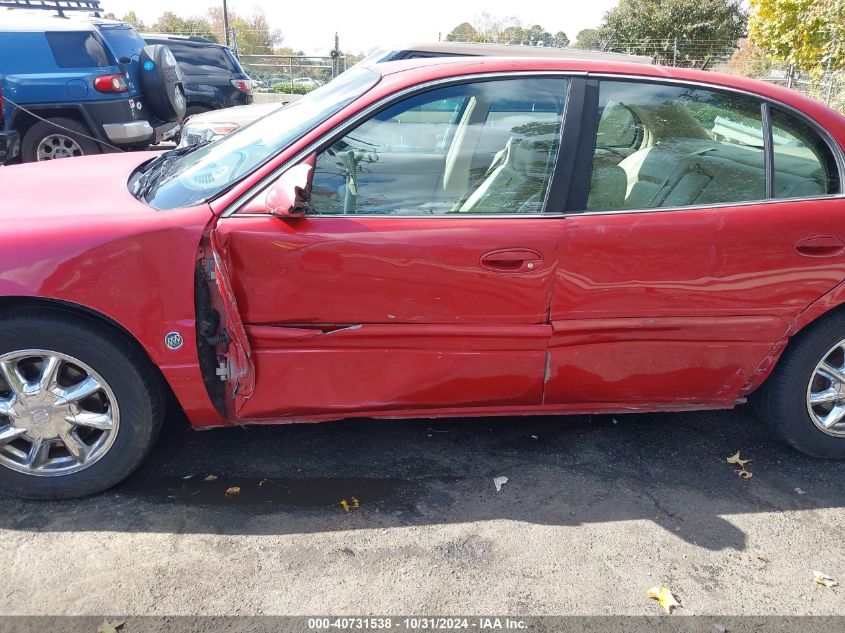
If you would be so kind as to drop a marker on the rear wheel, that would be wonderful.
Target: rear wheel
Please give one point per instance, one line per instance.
(804, 398)
(57, 138)
(80, 407)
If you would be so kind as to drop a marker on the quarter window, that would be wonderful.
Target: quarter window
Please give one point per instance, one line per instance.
(77, 49)
(803, 163)
(485, 147)
(670, 146)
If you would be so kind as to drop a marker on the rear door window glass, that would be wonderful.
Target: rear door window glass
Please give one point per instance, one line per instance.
(78, 49)
(202, 60)
(675, 146)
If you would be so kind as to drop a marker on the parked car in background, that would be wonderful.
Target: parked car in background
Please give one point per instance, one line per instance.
(82, 85)
(218, 126)
(209, 126)
(214, 78)
(432, 239)
(9, 139)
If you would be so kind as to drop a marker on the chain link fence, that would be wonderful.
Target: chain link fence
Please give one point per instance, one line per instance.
(741, 58)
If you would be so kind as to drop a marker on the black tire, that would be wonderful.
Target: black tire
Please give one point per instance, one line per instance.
(162, 83)
(129, 374)
(56, 128)
(782, 400)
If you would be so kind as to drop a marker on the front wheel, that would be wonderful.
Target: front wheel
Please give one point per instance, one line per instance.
(80, 407)
(804, 398)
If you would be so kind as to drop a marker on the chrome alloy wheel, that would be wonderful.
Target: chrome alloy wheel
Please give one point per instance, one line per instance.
(826, 392)
(58, 146)
(57, 415)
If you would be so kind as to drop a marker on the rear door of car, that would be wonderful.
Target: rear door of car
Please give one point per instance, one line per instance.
(695, 239)
(424, 282)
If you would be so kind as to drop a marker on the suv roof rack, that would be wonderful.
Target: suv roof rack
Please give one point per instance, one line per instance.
(89, 6)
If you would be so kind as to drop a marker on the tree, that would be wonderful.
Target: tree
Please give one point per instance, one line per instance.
(169, 22)
(464, 32)
(134, 20)
(589, 39)
(808, 34)
(560, 40)
(538, 36)
(749, 60)
(704, 29)
(253, 33)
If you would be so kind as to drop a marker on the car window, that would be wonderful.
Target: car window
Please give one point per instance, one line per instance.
(202, 60)
(78, 49)
(123, 40)
(676, 146)
(484, 147)
(804, 165)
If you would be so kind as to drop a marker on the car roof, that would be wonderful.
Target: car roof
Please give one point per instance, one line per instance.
(520, 50)
(408, 72)
(15, 20)
(441, 67)
(193, 40)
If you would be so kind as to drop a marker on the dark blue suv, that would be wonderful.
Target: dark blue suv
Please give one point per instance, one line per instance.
(83, 85)
(214, 78)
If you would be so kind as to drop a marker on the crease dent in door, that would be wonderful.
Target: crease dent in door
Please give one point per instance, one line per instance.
(242, 368)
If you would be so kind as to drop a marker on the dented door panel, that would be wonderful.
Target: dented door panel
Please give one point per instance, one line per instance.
(348, 314)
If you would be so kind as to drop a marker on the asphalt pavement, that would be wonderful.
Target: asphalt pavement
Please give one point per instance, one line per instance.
(403, 517)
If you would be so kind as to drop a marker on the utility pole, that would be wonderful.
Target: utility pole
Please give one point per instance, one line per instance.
(675, 52)
(226, 22)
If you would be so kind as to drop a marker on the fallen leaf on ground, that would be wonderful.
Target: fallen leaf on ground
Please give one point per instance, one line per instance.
(665, 598)
(499, 482)
(824, 580)
(110, 627)
(211, 478)
(350, 506)
(735, 459)
(234, 491)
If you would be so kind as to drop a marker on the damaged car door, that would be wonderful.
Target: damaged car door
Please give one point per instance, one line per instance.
(418, 274)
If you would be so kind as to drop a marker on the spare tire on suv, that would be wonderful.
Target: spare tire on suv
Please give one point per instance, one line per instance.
(162, 83)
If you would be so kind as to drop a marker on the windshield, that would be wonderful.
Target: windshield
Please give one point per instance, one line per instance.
(200, 175)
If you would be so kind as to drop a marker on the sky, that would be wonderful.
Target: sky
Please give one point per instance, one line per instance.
(365, 25)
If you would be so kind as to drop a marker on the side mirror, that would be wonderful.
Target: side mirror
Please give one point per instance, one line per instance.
(289, 196)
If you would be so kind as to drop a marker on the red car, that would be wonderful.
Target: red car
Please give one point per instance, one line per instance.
(454, 237)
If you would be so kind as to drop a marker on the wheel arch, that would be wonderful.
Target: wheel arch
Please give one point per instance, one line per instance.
(21, 301)
(830, 304)
(23, 121)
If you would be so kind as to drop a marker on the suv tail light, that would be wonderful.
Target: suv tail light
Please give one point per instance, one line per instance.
(110, 83)
(244, 85)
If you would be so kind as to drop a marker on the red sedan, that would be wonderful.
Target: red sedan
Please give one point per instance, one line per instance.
(439, 238)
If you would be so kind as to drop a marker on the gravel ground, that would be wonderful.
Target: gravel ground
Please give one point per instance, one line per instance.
(595, 511)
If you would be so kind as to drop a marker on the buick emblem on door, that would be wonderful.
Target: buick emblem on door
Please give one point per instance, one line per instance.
(173, 340)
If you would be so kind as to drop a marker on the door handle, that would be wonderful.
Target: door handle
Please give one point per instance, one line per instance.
(820, 246)
(512, 260)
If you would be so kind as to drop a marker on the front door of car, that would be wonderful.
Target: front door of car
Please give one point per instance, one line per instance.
(691, 252)
(421, 276)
